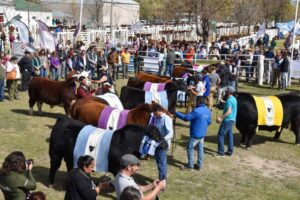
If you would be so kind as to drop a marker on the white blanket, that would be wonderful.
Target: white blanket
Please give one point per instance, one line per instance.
(112, 99)
(113, 119)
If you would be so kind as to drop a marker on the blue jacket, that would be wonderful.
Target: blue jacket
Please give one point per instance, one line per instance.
(200, 118)
(206, 82)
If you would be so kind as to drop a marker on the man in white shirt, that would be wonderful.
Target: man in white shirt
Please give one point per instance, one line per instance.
(129, 166)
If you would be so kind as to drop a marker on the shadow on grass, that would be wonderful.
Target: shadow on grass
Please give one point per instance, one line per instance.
(37, 114)
(41, 175)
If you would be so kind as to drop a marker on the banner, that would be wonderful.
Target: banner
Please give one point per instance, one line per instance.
(288, 26)
(261, 32)
(18, 49)
(22, 30)
(46, 38)
(295, 68)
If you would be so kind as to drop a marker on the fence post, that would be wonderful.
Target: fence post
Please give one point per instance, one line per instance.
(261, 69)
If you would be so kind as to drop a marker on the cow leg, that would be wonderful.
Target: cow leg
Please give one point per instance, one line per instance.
(31, 104)
(278, 133)
(39, 105)
(250, 135)
(244, 138)
(55, 162)
(296, 129)
(67, 109)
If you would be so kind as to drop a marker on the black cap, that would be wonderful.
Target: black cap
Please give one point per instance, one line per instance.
(129, 159)
(27, 52)
(14, 58)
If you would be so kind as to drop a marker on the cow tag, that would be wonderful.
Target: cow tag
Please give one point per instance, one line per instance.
(269, 109)
(91, 148)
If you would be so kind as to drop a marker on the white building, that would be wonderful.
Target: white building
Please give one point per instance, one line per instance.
(96, 13)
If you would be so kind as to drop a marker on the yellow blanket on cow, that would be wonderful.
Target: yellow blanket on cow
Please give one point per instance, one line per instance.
(270, 111)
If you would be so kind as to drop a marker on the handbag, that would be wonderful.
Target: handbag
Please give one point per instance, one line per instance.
(11, 75)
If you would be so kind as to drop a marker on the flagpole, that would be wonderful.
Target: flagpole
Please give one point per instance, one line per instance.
(80, 20)
(294, 31)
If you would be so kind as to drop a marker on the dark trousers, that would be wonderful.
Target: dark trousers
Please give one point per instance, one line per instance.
(26, 77)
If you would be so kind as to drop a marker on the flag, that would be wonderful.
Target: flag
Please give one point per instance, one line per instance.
(47, 40)
(289, 39)
(261, 32)
(22, 30)
(76, 31)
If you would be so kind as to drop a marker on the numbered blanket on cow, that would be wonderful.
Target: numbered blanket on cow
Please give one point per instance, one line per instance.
(112, 118)
(96, 143)
(270, 111)
(155, 92)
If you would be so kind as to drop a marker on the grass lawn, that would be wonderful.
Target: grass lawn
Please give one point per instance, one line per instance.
(269, 170)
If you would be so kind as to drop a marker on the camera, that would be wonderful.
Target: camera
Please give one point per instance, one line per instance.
(29, 161)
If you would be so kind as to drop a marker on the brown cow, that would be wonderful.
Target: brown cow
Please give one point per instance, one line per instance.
(179, 71)
(42, 90)
(152, 78)
(88, 110)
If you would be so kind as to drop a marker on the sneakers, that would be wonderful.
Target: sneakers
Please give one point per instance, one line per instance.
(196, 167)
(228, 154)
(186, 168)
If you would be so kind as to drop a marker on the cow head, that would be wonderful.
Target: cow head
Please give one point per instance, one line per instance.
(180, 84)
(153, 133)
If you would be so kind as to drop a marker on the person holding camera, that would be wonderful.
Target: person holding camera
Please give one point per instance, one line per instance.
(130, 164)
(16, 178)
(80, 183)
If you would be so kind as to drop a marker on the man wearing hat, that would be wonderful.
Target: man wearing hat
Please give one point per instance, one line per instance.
(129, 166)
(227, 121)
(26, 69)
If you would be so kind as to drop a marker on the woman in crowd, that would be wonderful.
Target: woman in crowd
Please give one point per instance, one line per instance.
(16, 179)
(80, 183)
(36, 64)
(54, 66)
(12, 84)
(101, 62)
(44, 63)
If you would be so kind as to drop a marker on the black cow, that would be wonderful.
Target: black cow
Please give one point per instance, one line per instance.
(133, 97)
(247, 116)
(124, 141)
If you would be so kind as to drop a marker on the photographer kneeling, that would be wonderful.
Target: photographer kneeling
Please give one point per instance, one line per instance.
(16, 179)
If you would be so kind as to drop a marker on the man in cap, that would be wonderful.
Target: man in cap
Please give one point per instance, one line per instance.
(26, 69)
(227, 121)
(129, 166)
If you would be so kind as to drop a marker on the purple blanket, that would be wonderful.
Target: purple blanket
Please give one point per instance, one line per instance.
(123, 119)
(160, 87)
(104, 116)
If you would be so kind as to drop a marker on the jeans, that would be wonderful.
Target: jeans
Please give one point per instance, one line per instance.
(160, 67)
(161, 161)
(54, 73)
(248, 72)
(26, 77)
(225, 128)
(125, 70)
(63, 69)
(232, 83)
(283, 80)
(92, 72)
(44, 72)
(169, 68)
(2, 86)
(190, 151)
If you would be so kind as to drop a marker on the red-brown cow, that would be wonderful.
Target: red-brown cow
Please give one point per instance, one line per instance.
(42, 90)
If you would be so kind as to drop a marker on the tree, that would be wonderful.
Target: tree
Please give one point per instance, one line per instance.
(95, 12)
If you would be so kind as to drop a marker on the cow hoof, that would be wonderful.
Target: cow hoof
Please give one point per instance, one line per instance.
(30, 113)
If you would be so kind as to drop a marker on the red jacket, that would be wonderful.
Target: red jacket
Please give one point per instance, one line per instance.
(83, 93)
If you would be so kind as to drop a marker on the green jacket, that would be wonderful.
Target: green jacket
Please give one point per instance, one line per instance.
(15, 185)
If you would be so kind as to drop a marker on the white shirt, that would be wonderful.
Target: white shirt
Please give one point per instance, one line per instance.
(12, 67)
(122, 181)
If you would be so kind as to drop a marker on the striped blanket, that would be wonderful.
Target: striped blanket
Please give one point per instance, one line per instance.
(112, 99)
(112, 118)
(96, 143)
(155, 92)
